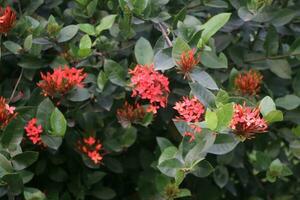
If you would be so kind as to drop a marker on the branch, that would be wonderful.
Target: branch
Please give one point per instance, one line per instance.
(165, 35)
(272, 57)
(16, 86)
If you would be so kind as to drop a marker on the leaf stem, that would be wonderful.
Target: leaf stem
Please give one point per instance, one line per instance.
(272, 57)
(16, 86)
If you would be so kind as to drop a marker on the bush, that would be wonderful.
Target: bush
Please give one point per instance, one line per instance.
(149, 99)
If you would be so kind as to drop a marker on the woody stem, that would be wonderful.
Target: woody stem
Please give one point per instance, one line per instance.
(165, 35)
(16, 86)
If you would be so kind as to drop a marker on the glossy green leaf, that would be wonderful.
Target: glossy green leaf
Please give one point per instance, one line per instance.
(143, 52)
(24, 160)
(67, 33)
(58, 123)
(105, 23)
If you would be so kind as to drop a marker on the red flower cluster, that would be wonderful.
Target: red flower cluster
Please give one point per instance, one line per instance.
(150, 85)
(34, 131)
(187, 62)
(248, 83)
(7, 19)
(246, 121)
(7, 113)
(61, 80)
(130, 114)
(91, 147)
(190, 110)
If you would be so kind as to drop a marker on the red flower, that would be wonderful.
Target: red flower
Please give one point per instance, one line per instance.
(150, 85)
(187, 62)
(248, 83)
(91, 147)
(246, 121)
(7, 113)
(189, 109)
(130, 114)
(34, 131)
(61, 81)
(7, 19)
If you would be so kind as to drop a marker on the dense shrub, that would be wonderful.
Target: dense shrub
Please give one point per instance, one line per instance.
(150, 99)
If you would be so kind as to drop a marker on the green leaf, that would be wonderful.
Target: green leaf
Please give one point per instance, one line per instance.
(128, 137)
(203, 94)
(13, 133)
(31, 63)
(91, 7)
(106, 23)
(179, 47)
(14, 182)
(283, 16)
(33, 194)
(221, 176)
(203, 169)
(211, 60)
(104, 193)
(266, 105)
(224, 143)
(115, 72)
(163, 59)
(180, 175)
(204, 79)
(295, 148)
(163, 143)
(58, 123)
(211, 119)
(213, 25)
(274, 116)
(222, 98)
(113, 165)
(12, 47)
(143, 52)
(168, 153)
(271, 44)
(85, 42)
(52, 142)
(43, 114)
(288, 102)
(281, 68)
(224, 114)
(79, 95)
(169, 167)
(28, 43)
(5, 164)
(88, 28)
(24, 160)
(67, 33)
(184, 193)
(139, 6)
(195, 155)
(102, 80)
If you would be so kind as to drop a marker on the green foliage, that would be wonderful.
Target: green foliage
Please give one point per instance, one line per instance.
(145, 155)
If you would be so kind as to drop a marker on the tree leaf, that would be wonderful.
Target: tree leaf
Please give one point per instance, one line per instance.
(143, 52)
(85, 42)
(163, 59)
(224, 143)
(12, 47)
(179, 47)
(266, 105)
(115, 72)
(33, 194)
(204, 79)
(67, 33)
(288, 102)
(58, 123)
(13, 133)
(24, 160)
(88, 28)
(106, 23)
(211, 119)
(203, 94)
(281, 68)
(274, 116)
(104, 193)
(211, 60)
(221, 176)
(203, 169)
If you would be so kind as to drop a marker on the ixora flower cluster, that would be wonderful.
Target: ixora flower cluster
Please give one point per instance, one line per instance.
(7, 113)
(7, 19)
(92, 148)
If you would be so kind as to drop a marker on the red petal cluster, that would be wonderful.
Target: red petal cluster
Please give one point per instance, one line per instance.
(61, 80)
(150, 85)
(188, 61)
(246, 121)
(34, 131)
(7, 19)
(91, 147)
(130, 114)
(7, 113)
(189, 109)
(248, 83)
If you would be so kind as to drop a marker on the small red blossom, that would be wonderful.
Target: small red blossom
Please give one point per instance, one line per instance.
(187, 62)
(61, 81)
(7, 19)
(34, 131)
(189, 109)
(248, 83)
(246, 121)
(7, 113)
(130, 114)
(91, 147)
(150, 85)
